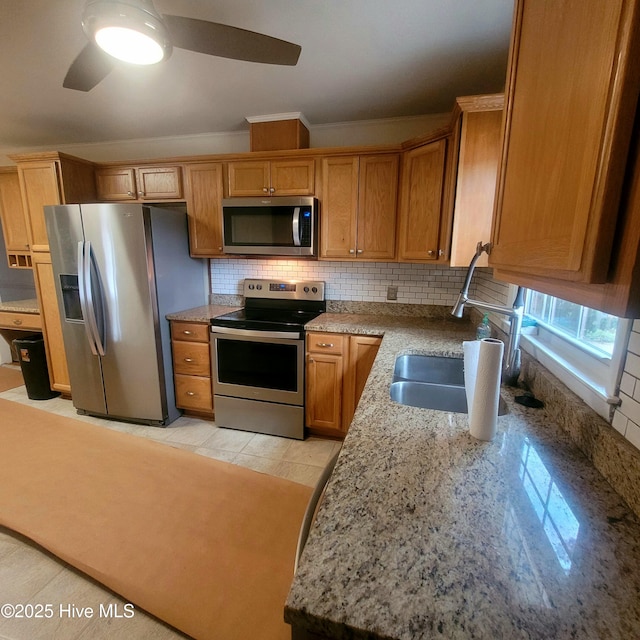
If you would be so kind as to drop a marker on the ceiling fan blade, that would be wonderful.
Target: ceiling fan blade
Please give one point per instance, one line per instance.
(88, 69)
(217, 39)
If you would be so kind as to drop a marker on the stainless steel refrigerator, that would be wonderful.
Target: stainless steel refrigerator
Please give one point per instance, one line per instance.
(118, 270)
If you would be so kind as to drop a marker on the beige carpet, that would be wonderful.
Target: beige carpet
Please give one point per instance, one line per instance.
(204, 545)
(10, 378)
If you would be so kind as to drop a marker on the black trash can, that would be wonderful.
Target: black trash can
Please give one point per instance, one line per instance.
(33, 362)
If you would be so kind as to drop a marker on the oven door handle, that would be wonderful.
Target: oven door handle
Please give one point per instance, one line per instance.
(297, 241)
(252, 333)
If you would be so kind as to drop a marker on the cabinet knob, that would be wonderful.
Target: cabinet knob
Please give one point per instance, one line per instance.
(26, 246)
(359, 250)
(188, 359)
(440, 252)
(265, 189)
(271, 190)
(186, 332)
(430, 252)
(352, 250)
(191, 393)
(219, 248)
(129, 193)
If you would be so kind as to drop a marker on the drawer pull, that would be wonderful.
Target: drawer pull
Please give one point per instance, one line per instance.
(18, 322)
(191, 393)
(187, 332)
(188, 359)
(326, 345)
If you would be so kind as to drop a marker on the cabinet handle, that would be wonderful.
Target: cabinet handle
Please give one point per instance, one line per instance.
(359, 250)
(188, 359)
(441, 252)
(352, 250)
(326, 345)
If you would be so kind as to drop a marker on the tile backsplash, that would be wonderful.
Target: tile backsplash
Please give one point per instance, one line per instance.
(357, 281)
(626, 418)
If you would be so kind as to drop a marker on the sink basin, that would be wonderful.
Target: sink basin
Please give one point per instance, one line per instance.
(431, 382)
(435, 369)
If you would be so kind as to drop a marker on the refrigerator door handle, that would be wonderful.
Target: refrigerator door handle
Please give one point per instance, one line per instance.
(90, 318)
(83, 298)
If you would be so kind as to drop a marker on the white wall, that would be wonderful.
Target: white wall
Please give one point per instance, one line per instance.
(341, 134)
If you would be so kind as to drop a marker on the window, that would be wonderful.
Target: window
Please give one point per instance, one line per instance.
(589, 329)
(583, 347)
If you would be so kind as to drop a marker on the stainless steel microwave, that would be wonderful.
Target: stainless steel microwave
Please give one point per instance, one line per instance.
(276, 226)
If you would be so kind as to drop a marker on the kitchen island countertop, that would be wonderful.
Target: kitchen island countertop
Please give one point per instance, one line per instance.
(425, 532)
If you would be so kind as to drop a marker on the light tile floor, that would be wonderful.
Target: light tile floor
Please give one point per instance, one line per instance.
(32, 577)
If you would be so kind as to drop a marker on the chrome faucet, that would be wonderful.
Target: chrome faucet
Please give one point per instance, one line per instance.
(511, 369)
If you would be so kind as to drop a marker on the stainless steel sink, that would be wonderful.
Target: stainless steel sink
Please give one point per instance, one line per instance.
(435, 369)
(431, 382)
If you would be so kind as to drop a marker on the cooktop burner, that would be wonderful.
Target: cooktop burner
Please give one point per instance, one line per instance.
(272, 305)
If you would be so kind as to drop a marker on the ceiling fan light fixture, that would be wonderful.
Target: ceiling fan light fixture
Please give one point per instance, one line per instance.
(130, 30)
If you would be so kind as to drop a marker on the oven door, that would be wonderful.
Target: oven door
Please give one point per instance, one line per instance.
(258, 365)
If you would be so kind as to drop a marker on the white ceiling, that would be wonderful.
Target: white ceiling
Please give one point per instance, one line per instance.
(361, 60)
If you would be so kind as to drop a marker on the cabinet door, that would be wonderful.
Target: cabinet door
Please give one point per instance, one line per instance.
(204, 209)
(159, 183)
(362, 353)
(478, 161)
(339, 207)
(421, 202)
(377, 205)
(51, 322)
(293, 177)
(39, 186)
(571, 97)
(248, 178)
(11, 215)
(324, 391)
(116, 184)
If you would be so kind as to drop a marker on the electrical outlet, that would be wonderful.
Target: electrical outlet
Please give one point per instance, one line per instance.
(392, 293)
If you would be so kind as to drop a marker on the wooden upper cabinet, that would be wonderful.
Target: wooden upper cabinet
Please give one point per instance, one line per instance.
(476, 142)
(359, 200)
(139, 183)
(50, 179)
(572, 90)
(204, 184)
(14, 227)
(421, 203)
(272, 177)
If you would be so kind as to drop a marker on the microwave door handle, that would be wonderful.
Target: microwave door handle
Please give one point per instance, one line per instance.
(296, 227)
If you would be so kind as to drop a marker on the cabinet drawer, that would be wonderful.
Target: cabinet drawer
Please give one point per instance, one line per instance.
(325, 343)
(191, 358)
(193, 392)
(17, 320)
(190, 331)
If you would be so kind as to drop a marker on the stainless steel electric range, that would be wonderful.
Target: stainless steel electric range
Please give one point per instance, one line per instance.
(258, 357)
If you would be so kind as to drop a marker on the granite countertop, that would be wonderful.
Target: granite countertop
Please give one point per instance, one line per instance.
(201, 314)
(425, 532)
(20, 306)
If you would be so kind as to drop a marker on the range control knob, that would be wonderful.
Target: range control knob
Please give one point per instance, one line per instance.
(314, 289)
(306, 289)
(251, 287)
(258, 287)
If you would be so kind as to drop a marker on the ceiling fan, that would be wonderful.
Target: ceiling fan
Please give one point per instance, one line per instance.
(133, 31)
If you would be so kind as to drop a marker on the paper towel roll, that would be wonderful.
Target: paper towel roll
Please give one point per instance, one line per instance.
(482, 375)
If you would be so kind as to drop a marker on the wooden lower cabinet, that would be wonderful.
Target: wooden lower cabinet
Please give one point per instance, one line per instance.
(192, 367)
(51, 322)
(337, 369)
